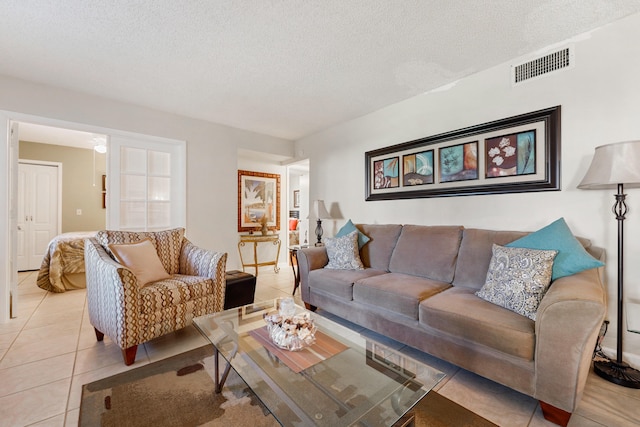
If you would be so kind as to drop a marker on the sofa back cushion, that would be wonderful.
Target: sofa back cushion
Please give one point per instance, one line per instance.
(168, 244)
(377, 253)
(427, 251)
(475, 255)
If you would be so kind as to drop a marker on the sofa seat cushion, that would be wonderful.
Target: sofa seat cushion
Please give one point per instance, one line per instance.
(339, 282)
(458, 312)
(396, 292)
(179, 289)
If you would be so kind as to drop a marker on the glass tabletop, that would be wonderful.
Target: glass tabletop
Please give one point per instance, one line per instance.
(342, 379)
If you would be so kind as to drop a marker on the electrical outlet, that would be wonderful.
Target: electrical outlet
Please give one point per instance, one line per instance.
(78, 211)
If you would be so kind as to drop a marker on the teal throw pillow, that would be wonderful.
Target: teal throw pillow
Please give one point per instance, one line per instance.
(572, 257)
(363, 239)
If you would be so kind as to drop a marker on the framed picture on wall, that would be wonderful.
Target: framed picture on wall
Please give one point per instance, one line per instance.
(296, 198)
(518, 154)
(258, 200)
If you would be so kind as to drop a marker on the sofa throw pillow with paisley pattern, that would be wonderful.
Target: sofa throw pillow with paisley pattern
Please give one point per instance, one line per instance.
(518, 278)
(343, 252)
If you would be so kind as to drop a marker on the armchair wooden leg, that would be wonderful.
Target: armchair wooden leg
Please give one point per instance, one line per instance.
(310, 307)
(129, 355)
(99, 335)
(555, 415)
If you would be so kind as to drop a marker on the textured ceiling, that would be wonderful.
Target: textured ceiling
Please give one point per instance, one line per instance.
(284, 68)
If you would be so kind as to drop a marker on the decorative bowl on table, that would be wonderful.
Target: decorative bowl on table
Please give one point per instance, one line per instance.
(291, 332)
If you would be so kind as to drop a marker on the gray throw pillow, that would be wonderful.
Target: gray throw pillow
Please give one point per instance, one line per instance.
(343, 252)
(518, 278)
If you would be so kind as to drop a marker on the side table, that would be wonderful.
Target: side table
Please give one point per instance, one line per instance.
(274, 239)
(293, 258)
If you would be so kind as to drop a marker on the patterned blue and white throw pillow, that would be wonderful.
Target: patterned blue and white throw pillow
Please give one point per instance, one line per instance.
(518, 278)
(343, 252)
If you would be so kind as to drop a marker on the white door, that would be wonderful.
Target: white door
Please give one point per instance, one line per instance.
(146, 182)
(37, 214)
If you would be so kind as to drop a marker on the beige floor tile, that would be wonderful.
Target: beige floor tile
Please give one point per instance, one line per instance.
(620, 407)
(56, 303)
(26, 310)
(34, 405)
(100, 355)
(42, 318)
(490, 400)
(6, 339)
(72, 418)
(57, 421)
(30, 298)
(174, 343)
(87, 338)
(40, 343)
(13, 325)
(34, 374)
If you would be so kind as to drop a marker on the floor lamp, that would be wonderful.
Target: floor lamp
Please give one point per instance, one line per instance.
(614, 166)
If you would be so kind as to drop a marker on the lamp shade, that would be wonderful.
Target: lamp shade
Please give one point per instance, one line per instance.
(614, 164)
(319, 210)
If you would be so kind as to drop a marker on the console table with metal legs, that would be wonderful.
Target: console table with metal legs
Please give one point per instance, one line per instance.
(274, 239)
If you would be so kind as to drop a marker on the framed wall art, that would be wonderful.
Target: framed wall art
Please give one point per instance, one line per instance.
(258, 200)
(296, 198)
(513, 155)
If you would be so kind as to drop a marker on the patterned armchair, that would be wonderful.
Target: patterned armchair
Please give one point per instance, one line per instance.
(131, 314)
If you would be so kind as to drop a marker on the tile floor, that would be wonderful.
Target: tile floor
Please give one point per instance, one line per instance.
(50, 351)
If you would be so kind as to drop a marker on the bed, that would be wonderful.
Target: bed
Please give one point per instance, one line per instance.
(62, 267)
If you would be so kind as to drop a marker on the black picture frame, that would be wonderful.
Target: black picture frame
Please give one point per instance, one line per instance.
(517, 154)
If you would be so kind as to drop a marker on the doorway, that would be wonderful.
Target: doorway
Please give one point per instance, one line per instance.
(38, 211)
(298, 179)
(10, 126)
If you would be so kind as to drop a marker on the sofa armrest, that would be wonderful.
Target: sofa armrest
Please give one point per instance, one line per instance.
(309, 259)
(196, 261)
(109, 284)
(567, 325)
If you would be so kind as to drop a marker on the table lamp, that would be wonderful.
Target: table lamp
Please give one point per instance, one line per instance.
(319, 212)
(615, 166)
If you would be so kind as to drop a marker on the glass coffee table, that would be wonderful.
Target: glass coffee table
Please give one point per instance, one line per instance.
(342, 379)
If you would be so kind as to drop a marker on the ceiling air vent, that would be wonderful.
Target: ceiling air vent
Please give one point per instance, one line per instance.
(543, 65)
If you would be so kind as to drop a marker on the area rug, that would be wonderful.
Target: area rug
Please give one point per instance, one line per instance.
(179, 391)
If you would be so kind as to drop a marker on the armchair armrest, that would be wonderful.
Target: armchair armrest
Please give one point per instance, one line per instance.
(568, 321)
(309, 259)
(196, 261)
(109, 284)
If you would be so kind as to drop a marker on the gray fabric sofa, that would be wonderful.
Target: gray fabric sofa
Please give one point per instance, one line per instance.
(419, 285)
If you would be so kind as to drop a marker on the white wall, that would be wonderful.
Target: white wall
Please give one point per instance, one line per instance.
(211, 154)
(600, 105)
